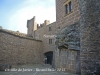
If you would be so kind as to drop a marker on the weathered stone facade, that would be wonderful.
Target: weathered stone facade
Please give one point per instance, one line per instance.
(68, 48)
(31, 27)
(17, 48)
(75, 39)
(90, 36)
(44, 34)
(67, 53)
(64, 22)
(63, 19)
(89, 29)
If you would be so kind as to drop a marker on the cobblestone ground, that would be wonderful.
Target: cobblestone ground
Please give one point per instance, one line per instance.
(32, 70)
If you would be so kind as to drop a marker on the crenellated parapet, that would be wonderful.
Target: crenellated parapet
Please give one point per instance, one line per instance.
(46, 22)
(32, 26)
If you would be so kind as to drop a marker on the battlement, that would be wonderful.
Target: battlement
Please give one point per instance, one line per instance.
(46, 22)
(31, 20)
(32, 25)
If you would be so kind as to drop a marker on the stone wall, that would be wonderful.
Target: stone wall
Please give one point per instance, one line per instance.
(90, 36)
(17, 49)
(68, 48)
(44, 34)
(31, 26)
(68, 59)
(63, 19)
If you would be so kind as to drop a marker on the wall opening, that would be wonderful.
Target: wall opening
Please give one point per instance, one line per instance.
(49, 56)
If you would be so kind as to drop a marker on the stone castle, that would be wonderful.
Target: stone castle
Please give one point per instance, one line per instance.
(72, 42)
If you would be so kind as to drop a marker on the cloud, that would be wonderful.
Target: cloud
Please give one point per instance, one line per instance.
(31, 8)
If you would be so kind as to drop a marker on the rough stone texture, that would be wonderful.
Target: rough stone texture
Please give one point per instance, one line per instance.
(68, 59)
(61, 18)
(90, 35)
(68, 51)
(31, 26)
(44, 34)
(16, 33)
(69, 37)
(17, 49)
(68, 40)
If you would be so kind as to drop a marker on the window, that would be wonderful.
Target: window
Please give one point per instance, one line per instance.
(50, 29)
(66, 9)
(59, 27)
(50, 41)
(70, 7)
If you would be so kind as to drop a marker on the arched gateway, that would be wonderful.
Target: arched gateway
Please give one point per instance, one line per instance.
(49, 56)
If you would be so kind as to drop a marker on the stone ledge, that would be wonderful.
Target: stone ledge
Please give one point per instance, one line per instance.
(18, 34)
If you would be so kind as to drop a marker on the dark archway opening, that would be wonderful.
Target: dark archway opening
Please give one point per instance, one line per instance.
(49, 56)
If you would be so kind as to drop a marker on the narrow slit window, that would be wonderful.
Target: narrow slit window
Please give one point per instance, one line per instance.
(50, 29)
(50, 41)
(66, 9)
(70, 7)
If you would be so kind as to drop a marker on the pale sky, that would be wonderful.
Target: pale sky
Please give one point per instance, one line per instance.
(15, 13)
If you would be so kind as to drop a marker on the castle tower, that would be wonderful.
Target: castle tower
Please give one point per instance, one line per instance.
(46, 22)
(31, 26)
(90, 36)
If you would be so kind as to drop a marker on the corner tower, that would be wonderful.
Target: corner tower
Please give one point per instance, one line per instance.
(31, 26)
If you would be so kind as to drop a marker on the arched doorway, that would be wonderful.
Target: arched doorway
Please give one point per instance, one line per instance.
(49, 56)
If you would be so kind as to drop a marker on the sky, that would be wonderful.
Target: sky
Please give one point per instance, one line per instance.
(15, 13)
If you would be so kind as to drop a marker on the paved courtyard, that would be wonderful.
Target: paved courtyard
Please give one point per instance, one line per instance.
(33, 70)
